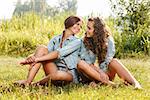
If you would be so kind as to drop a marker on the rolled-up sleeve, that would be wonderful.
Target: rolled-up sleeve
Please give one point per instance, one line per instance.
(68, 49)
(110, 54)
(87, 55)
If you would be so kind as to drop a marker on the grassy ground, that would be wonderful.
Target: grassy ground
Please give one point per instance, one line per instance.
(10, 71)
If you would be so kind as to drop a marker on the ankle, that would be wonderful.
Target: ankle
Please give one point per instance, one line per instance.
(28, 82)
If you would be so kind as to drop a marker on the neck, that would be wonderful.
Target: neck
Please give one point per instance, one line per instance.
(67, 33)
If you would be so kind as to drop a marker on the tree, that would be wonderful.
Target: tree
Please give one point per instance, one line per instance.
(42, 8)
(68, 6)
(37, 6)
(133, 21)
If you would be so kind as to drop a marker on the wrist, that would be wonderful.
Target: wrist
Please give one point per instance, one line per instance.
(37, 59)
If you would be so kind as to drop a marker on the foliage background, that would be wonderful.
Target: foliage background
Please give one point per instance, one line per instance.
(31, 26)
(35, 22)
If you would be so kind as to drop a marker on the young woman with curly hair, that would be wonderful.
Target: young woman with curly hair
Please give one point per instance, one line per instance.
(99, 40)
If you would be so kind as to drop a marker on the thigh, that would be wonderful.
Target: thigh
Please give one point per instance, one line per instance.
(111, 74)
(87, 73)
(64, 75)
(61, 78)
(49, 67)
(56, 72)
(111, 71)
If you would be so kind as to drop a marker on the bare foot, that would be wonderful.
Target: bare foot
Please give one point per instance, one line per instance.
(138, 86)
(35, 84)
(93, 84)
(21, 82)
(126, 83)
(111, 84)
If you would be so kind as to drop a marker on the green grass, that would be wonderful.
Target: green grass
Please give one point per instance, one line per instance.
(11, 71)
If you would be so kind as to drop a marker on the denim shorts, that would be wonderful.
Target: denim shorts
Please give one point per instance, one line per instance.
(62, 66)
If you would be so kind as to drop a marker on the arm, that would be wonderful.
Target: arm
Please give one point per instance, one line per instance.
(52, 55)
(86, 55)
(28, 60)
(103, 75)
(70, 48)
(110, 54)
(61, 52)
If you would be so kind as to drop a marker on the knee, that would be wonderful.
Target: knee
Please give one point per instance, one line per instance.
(42, 50)
(114, 60)
(81, 65)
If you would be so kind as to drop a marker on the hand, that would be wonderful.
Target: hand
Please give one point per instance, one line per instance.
(28, 60)
(104, 77)
(36, 60)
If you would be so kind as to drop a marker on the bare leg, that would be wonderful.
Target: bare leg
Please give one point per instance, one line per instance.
(40, 51)
(52, 73)
(123, 72)
(58, 76)
(111, 74)
(91, 72)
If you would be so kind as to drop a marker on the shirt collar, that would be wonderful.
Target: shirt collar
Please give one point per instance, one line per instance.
(69, 38)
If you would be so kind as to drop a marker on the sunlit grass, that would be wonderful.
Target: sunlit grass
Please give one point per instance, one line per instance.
(10, 71)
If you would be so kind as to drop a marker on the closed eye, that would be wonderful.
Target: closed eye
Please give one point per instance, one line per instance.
(79, 25)
(88, 27)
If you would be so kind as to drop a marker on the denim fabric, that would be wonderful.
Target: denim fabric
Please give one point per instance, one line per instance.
(69, 52)
(86, 55)
(110, 54)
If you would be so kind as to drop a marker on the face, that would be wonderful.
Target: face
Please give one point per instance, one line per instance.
(76, 27)
(90, 29)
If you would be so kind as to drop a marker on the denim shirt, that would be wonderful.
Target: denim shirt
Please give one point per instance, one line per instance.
(90, 57)
(69, 53)
(86, 55)
(109, 55)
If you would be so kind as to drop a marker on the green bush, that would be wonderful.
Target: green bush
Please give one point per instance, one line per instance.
(22, 34)
(132, 22)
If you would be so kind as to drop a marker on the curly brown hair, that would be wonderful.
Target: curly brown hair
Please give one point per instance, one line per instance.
(98, 43)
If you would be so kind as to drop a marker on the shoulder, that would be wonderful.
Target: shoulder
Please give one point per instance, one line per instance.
(77, 41)
(55, 38)
(110, 39)
(72, 38)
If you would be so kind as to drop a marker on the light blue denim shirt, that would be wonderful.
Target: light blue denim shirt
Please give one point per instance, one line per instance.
(69, 51)
(74, 50)
(109, 55)
(86, 55)
(90, 57)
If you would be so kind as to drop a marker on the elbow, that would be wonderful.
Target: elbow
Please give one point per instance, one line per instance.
(57, 54)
